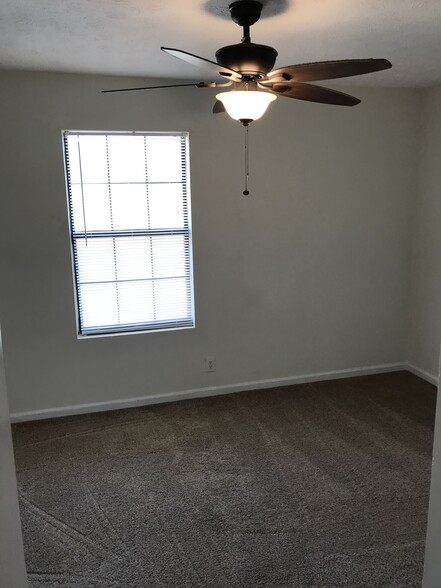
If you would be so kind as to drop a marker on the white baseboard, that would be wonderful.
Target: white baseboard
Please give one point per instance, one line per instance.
(62, 411)
(422, 374)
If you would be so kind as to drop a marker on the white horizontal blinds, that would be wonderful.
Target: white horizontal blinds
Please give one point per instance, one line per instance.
(128, 201)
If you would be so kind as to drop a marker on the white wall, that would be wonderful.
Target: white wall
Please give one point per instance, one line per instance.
(12, 564)
(424, 336)
(308, 274)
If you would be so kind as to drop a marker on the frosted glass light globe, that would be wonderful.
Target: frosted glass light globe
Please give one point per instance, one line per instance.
(246, 104)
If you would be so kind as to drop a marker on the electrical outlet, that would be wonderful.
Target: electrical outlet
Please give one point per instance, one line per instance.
(210, 363)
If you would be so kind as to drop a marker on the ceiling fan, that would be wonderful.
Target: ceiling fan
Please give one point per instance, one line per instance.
(248, 66)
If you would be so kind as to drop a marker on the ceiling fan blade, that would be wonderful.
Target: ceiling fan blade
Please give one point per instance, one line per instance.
(196, 85)
(312, 93)
(328, 70)
(218, 107)
(150, 88)
(211, 66)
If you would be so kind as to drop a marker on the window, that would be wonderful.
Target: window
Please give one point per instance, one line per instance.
(129, 211)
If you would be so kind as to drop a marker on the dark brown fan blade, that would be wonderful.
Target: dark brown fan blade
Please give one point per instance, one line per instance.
(218, 107)
(211, 66)
(148, 88)
(312, 93)
(328, 70)
(196, 85)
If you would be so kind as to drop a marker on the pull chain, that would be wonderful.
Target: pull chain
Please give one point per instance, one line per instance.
(247, 163)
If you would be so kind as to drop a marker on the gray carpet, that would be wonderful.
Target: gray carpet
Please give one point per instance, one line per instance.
(308, 486)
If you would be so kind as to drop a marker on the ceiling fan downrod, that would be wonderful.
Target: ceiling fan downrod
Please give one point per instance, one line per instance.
(245, 13)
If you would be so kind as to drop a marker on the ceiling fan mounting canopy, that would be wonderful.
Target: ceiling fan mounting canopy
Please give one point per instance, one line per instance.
(245, 12)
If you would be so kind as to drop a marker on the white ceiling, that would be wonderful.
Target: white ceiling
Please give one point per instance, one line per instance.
(124, 36)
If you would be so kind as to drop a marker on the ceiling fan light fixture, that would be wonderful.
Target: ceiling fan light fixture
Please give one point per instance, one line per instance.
(246, 105)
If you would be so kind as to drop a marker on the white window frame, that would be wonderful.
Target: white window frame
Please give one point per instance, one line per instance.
(144, 328)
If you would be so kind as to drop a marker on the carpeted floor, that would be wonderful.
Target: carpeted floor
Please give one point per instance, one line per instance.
(311, 486)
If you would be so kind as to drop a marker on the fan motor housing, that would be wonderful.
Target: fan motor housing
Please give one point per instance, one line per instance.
(248, 58)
